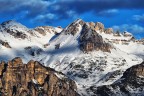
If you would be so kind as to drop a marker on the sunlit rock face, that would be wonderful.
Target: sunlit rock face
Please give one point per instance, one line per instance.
(5, 44)
(108, 31)
(99, 27)
(33, 79)
(91, 40)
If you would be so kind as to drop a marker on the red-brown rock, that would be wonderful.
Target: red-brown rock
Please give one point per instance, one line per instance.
(33, 79)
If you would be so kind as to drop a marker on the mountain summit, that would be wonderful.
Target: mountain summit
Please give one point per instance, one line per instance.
(87, 52)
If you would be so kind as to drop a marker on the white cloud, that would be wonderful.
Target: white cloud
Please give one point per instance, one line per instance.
(72, 14)
(131, 28)
(108, 12)
(49, 16)
(138, 17)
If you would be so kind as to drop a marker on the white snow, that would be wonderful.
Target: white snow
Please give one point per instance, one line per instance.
(94, 68)
(19, 44)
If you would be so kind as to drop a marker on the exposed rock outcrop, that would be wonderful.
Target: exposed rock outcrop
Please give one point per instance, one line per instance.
(33, 79)
(90, 40)
(6, 44)
(117, 34)
(108, 31)
(40, 30)
(92, 25)
(33, 50)
(127, 34)
(130, 84)
(16, 34)
(44, 29)
(73, 28)
(99, 27)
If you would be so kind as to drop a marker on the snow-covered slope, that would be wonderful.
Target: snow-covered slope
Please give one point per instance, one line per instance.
(86, 52)
(90, 68)
(21, 39)
(125, 43)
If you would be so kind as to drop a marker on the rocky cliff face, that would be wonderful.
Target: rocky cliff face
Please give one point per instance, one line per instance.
(130, 84)
(73, 27)
(33, 79)
(108, 31)
(99, 27)
(44, 29)
(90, 40)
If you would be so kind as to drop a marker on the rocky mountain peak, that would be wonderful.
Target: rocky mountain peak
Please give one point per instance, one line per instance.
(88, 35)
(14, 28)
(43, 30)
(73, 28)
(99, 27)
(8, 22)
(12, 24)
(108, 31)
(91, 40)
(85, 51)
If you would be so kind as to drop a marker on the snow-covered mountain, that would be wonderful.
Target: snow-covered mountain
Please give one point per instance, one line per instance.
(86, 52)
(18, 40)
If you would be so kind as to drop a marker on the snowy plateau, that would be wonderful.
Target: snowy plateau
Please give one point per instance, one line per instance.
(99, 60)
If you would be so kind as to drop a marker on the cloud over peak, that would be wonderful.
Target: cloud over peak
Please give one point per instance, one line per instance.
(65, 8)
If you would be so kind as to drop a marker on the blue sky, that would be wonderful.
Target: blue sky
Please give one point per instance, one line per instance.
(120, 14)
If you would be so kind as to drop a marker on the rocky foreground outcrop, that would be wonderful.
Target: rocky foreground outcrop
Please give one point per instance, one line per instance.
(130, 84)
(33, 79)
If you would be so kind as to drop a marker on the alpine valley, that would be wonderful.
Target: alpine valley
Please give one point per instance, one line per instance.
(83, 59)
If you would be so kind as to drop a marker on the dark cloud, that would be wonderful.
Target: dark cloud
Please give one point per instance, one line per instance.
(63, 9)
(32, 7)
(100, 7)
(81, 6)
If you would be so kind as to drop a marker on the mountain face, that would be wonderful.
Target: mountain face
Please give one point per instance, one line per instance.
(95, 57)
(33, 79)
(90, 40)
(130, 84)
(18, 40)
